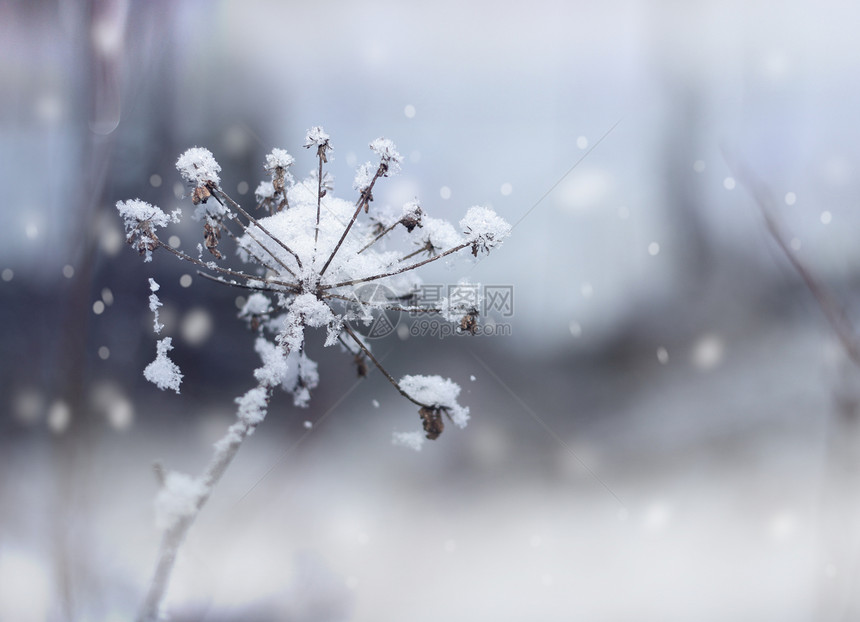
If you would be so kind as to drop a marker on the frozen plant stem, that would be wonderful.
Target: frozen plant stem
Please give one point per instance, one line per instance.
(174, 535)
(291, 296)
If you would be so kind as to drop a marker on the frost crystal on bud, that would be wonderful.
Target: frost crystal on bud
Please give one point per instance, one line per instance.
(363, 177)
(135, 212)
(439, 235)
(141, 221)
(198, 166)
(411, 215)
(391, 159)
(316, 137)
(279, 158)
(438, 393)
(484, 228)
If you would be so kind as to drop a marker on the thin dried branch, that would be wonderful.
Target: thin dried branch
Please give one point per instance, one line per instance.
(384, 232)
(211, 265)
(264, 287)
(427, 248)
(363, 202)
(459, 247)
(257, 224)
(833, 311)
(379, 366)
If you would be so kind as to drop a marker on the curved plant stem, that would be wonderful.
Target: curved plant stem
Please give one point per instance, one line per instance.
(174, 536)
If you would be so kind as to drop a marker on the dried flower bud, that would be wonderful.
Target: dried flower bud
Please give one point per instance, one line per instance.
(432, 420)
(360, 365)
(212, 236)
(469, 322)
(412, 214)
(200, 195)
(316, 136)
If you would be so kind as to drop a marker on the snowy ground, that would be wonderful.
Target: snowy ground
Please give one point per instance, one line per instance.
(710, 493)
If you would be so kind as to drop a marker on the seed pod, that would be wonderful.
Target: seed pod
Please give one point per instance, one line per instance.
(432, 420)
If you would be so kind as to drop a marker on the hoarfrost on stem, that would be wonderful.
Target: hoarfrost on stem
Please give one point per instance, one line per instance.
(177, 499)
(279, 158)
(274, 368)
(253, 406)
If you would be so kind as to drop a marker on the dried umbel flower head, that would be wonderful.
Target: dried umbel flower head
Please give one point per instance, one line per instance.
(307, 257)
(141, 221)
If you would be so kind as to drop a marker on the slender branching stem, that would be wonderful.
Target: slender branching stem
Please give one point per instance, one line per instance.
(173, 536)
(427, 248)
(379, 366)
(320, 155)
(386, 307)
(362, 202)
(294, 289)
(257, 224)
(385, 232)
(211, 266)
(459, 247)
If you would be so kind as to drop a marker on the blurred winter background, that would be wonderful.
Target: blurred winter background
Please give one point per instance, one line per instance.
(669, 432)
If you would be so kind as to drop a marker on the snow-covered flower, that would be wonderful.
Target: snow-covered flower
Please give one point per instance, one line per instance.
(141, 220)
(277, 163)
(198, 167)
(307, 264)
(316, 137)
(388, 154)
(278, 158)
(484, 228)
